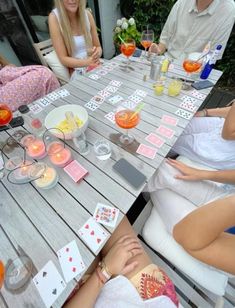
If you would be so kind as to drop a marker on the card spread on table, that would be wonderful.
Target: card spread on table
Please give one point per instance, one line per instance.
(188, 106)
(93, 235)
(91, 105)
(63, 93)
(70, 261)
(165, 131)
(53, 96)
(184, 114)
(35, 108)
(113, 64)
(146, 151)
(197, 94)
(94, 76)
(140, 93)
(188, 99)
(110, 116)
(106, 215)
(169, 120)
(135, 98)
(44, 102)
(104, 93)
(115, 99)
(129, 104)
(97, 99)
(102, 72)
(115, 83)
(155, 140)
(49, 283)
(75, 171)
(111, 89)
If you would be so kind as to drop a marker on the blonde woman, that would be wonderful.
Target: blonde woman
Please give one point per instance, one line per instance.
(74, 35)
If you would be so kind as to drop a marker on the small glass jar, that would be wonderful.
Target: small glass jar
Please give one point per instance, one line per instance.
(102, 149)
(174, 87)
(159, 87)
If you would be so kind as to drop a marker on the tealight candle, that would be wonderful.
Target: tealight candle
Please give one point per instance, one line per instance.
(21, 174)
(59, 156)
(48, 179)
(35, 147)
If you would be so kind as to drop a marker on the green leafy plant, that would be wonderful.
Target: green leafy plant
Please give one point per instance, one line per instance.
(126, 28)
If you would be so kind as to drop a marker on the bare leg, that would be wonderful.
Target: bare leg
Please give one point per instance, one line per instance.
(201, 233)
(125, 228)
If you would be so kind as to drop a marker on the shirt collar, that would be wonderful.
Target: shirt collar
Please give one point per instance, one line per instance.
(210, 10)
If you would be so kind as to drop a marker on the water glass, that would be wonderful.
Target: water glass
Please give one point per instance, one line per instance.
(102, 149)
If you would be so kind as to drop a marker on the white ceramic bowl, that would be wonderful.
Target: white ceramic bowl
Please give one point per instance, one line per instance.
(57, 115)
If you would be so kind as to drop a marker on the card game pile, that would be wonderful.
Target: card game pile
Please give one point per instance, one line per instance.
(48, 281)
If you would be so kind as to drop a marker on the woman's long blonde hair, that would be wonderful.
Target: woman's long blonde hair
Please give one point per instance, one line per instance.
(66, 26)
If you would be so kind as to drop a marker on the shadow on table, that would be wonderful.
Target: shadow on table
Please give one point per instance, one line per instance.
(131, 148)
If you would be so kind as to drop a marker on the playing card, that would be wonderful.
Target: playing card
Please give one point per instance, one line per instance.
(115, 83)
(53, 96)
(184, 114)
(35, 108)
(104, 93)
(113, 64)
(49, 283)
(188, 99)
(115, 99)
(111, 89)
(146, 151)
(102, 72)
(93, 234)
(70, 261)
(129, 104)
(106, 215)
(108, 68)
(91, 105)
(63, 93)
(165, 131)
(140, 93)
(135, 98)
(188, 106)
(75, 171)
(155, 140)
(97, 99)
(169, 120)
(198, 95)
(44, 102)
(94, 76)
(110, 116)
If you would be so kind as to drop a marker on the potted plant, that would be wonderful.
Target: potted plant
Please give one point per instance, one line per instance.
(125, 28)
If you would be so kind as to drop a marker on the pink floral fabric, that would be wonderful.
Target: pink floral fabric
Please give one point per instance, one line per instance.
(23, 85)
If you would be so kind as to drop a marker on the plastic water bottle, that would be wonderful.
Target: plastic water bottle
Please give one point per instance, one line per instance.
(211, 63)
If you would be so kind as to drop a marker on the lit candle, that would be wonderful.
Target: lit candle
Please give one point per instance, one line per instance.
(35, 147)
(21, 174)
(48, 179)
(59, 156)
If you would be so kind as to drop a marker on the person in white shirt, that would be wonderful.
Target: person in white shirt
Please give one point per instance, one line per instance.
(191, 24)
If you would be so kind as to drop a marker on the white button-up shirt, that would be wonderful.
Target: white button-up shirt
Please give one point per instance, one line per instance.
(187, 30)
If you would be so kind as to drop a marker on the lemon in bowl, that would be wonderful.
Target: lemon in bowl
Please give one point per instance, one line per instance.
(56, 118)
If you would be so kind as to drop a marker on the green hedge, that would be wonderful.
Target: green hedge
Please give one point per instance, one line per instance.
(154, 13)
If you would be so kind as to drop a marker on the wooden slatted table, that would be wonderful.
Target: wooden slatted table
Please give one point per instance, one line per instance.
(40, 222)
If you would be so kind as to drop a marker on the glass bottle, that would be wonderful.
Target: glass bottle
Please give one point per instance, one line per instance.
(78, 136)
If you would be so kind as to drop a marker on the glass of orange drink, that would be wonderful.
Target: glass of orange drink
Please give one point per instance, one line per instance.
(127, 49)
(191, 66)
(147, 38)
(5, 115)
(127, 119)
(2, 273)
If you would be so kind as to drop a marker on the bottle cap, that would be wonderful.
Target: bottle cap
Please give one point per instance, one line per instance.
(23, 109)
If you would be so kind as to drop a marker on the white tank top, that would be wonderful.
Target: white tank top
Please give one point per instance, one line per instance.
(80, 50)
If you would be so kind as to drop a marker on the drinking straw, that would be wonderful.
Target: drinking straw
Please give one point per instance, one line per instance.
(121, 39)
(138, 108)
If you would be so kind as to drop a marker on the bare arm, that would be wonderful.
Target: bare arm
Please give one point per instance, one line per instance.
(59, 45)
(192, 174)
(214, 112)
(94, 36)
(3, 61)
(158, 48)
(228, 131)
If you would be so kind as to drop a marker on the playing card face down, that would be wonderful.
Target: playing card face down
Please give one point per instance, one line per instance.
(49, 283)
(106, 214)
(93, 235)
(169, 120)
(146, 151)
(70, 261)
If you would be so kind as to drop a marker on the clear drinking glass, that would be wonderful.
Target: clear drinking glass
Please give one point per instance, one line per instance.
(102, 149)
(127, 49)
(147, 38)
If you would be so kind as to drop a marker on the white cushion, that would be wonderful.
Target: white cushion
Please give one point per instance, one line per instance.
(54, 63)
(156, 235)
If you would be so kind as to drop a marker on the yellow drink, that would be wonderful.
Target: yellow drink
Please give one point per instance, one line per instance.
(174, 88)
(159, 88)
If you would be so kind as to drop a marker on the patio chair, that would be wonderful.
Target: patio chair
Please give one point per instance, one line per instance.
(156, 235)
(48, 57)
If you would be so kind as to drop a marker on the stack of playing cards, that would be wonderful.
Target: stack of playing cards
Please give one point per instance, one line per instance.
(106, 215)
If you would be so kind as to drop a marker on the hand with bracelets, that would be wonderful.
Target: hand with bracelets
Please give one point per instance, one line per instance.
(116, 262)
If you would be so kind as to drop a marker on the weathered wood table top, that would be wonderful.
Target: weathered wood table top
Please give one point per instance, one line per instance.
(40, 222)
